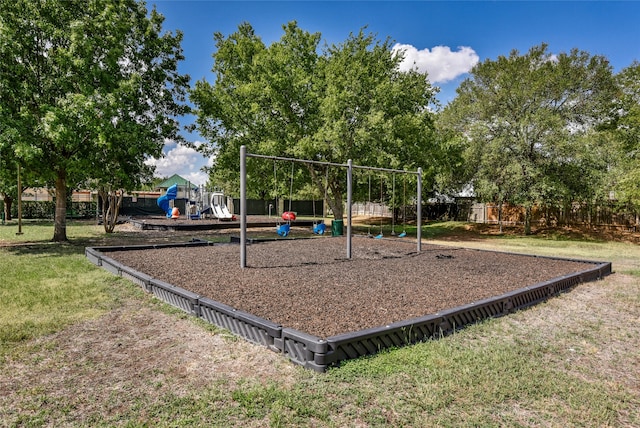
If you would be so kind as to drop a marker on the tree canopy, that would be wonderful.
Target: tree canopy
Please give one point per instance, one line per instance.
(345, 101)
(88, 90)
(529, 126)
(626, 133)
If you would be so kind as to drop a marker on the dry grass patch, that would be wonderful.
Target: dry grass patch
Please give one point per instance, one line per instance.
(136, 353)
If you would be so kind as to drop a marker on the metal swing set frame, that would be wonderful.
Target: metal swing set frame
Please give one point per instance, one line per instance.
(349, 167)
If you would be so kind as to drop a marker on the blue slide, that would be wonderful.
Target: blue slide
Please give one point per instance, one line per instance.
(163, 201)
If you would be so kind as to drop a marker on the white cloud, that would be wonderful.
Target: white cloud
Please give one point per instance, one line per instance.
(181, 160)
(441, 63)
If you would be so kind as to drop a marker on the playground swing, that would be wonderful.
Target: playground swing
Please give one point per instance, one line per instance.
(380, 235)
(320, 227)
(288, 216)
(404, 208)
(369, 207)
(281, 229)
(393, 203)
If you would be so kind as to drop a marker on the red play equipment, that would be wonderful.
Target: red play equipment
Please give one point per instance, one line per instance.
(288, 216)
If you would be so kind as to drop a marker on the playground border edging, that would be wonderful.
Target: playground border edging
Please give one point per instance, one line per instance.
(195, 225)
(253, 328)
(319, 354)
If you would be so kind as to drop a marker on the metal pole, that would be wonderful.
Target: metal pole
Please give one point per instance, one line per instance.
(349, 203)
(19, 203)
(243, 207)
(253, 155)
(419, 196)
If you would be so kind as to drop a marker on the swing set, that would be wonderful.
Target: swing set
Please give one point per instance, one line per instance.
(288, 216)
(380, 235)
(291, 216)
(283, 229)
(404, 208)
(319, 227)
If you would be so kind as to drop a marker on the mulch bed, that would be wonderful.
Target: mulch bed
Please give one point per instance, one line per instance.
(309, 285)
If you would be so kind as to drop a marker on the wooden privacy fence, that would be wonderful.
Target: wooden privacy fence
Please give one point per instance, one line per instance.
(607, 215)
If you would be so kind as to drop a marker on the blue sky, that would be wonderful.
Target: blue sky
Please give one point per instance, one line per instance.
(445, 38)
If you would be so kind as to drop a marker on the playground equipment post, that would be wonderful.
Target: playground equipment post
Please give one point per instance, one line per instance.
(419, 203)
(243, 207)
(349, 203)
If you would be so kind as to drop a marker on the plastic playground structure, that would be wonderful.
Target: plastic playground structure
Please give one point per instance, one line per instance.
(219, 208)
(163, 202)
(195, 206)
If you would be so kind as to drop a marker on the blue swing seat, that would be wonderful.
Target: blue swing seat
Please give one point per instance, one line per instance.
(402, 235)
(319, 228)
(283, 229)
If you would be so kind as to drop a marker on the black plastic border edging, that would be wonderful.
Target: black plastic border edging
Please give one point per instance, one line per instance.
(198, 226)
(319, 354)
(251, 327)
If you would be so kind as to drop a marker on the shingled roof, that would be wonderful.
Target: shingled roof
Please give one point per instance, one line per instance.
(175, 179)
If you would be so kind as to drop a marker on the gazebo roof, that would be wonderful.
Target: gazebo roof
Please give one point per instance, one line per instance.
(175, 179)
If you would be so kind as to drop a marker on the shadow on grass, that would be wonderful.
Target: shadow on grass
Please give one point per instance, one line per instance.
(445, 230)
(461, 231)
(584, 233)
(46, 248)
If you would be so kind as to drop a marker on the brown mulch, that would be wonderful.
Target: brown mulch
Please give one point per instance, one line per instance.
(309, 285)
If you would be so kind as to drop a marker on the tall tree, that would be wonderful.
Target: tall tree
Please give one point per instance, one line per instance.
(290, 99)
(525, 119)
(626, 133)
(89, 87)
(8, 183)
(10, 159)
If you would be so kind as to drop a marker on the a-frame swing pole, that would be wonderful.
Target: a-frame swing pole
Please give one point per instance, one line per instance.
(243, 207)
(419, 202)
(349, 203)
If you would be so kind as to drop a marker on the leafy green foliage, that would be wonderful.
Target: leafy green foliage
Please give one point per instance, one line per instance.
(350, 101)
(626, 133)
(529, 126)
(88, 91)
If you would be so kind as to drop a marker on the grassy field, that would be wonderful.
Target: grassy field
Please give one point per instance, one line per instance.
(80, 347)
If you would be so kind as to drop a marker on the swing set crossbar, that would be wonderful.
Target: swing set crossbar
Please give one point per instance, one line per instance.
(340, 165)
(399, 171)
(280, 158)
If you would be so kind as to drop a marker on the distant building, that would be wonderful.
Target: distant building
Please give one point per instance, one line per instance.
(44, 194)
(186, 188)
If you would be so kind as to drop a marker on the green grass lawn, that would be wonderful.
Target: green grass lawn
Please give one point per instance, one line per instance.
(46, 286)
(537, 367)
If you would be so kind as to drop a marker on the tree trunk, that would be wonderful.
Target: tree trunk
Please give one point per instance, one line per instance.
(500, 216)
(335, 203)
(112, 200)
(333, 195)
(527, 220)
(60, 224)
(8, 202)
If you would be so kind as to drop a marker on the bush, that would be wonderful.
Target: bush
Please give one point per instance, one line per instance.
(47, 209)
